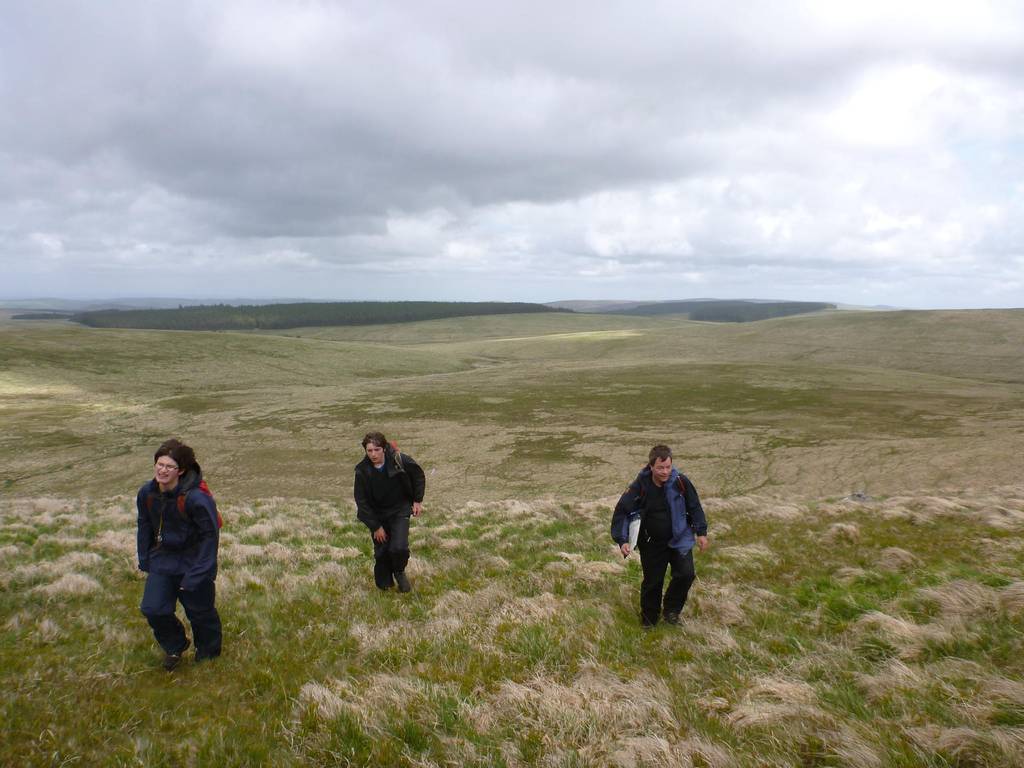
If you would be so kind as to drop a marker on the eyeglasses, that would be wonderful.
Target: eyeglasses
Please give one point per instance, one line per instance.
(166, 467)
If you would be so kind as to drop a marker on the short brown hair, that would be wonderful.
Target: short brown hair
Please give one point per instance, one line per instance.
(182, 454)
(659, 452)
(377, 438)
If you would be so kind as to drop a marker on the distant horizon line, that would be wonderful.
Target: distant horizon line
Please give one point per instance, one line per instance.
(170, 302)
(4, 301)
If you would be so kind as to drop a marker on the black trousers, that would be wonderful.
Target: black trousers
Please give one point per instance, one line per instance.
(655, 558)
(391, 556)
(159, 597)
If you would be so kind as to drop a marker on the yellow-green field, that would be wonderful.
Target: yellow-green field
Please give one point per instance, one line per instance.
(520, 407)
(880, 630)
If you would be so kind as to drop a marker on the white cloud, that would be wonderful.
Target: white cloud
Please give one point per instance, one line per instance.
(528, 151)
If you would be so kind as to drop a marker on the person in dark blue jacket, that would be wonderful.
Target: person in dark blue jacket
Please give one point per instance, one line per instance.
(671, 521)
(389, 487)
(178, 535)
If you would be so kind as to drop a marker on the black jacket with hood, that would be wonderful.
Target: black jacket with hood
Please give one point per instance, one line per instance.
(403, 469)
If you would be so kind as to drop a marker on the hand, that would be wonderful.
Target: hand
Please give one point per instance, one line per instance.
(417, 507)
(702, 542)
(380, 535)
(625, 549)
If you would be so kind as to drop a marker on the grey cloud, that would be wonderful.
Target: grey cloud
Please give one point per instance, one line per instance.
(505, 139)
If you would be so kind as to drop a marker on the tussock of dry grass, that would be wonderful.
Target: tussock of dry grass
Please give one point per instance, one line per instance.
(848, 574)
(337, 553)
(658, 752)
(595, 709)
(268, 529)
(853, 750)
(240, 553)
(372, 701)
(757, 506)
(236, 580)
(577, 566)
(720, 604)
(48, 631)
(839, 532)
(70, 585)
(1011, 599)
(115, 542)
(959, 600)
(748, 553)
(770, 701)
(523, 610)
(60, 540)
(895, 559)
(908, 637)
(996, 747)
(895, 676)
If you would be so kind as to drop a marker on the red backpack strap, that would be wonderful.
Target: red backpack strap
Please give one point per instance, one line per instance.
(202, 487)
(206, 489)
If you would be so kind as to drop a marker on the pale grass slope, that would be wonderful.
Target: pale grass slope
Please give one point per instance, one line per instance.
(749, 679)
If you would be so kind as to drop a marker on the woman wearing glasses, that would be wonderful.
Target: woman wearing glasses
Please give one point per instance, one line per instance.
(178, 533)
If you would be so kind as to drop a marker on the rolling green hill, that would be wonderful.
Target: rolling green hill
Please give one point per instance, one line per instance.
(818, 405)
(861, 603)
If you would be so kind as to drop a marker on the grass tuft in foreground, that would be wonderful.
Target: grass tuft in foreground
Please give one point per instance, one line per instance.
(855, 633)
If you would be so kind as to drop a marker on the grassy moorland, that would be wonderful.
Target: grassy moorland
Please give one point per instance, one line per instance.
(885, 629)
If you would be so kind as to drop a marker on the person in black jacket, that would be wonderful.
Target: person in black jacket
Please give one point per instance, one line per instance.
(389, 487)
(671, 521)
(177, 538)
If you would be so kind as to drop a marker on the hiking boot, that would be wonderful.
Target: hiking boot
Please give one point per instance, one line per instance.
(672, 618)
(403, 582)
(172, 660)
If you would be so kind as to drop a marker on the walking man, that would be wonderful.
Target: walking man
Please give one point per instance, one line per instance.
(178, 534)
(389, 487)
(671, 521)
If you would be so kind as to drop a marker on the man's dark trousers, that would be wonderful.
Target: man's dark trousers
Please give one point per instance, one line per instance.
(391, 556)
(158, 602)
(655, 557)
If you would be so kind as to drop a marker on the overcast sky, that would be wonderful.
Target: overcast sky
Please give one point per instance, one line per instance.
(863, 152)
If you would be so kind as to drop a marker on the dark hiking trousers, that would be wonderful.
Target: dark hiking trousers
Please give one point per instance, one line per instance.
(158, 603)
(655, 557)
(392, 556)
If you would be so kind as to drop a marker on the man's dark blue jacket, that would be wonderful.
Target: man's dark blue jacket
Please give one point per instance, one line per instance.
(685, 511)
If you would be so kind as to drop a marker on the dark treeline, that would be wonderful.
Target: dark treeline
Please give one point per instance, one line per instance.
(222, 317)
(727, 311)
(43, 314)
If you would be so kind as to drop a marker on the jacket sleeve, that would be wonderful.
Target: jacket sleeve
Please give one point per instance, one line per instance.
(698, 521)
(625, 507)
(202, 510)
(364, 510)
(144, 530)
(417, 478)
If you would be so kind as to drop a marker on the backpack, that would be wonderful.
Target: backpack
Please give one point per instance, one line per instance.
(203, 487)
(397, 454)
